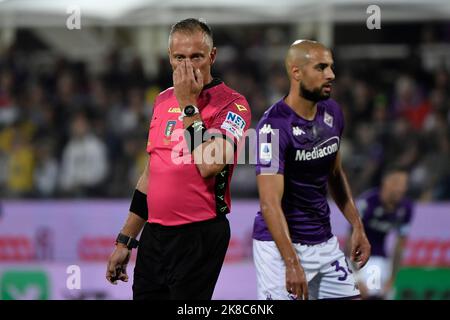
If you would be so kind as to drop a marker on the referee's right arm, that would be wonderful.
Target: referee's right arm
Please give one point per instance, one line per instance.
(136, 220)
(138, 215)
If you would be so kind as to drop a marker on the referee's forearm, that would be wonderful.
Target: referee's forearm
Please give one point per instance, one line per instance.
(133, 225)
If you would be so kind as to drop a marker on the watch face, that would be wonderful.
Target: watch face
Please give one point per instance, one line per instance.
(189, 110)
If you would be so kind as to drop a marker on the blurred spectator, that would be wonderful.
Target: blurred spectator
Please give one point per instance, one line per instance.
(132, 114)
(8, 109)
(20, 166)
(366, 157)
(395, 115)
(46, 171)
(84, 161)
(409, 102)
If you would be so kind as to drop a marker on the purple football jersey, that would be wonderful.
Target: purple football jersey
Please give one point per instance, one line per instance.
(378, 222)
(304, 152)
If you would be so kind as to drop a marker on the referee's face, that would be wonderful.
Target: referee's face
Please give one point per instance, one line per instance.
(195, 48)
(317, 75)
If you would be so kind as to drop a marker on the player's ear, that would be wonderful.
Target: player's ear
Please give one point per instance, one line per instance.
(168, 54)
(213, 55)
(296, 73)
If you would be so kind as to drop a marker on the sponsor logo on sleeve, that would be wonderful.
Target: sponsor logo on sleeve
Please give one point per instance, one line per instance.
(234, 124)
(240, 107)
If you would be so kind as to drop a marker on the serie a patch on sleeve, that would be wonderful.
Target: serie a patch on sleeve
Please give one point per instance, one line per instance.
(234, 124)
(265, 152)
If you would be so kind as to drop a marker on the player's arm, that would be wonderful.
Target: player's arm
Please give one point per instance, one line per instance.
(361, 206)
(403, 231)
(397, 258)
(341, 193)
(137, 216)
(271, 189)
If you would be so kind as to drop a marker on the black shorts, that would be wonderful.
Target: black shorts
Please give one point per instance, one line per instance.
(180, 262)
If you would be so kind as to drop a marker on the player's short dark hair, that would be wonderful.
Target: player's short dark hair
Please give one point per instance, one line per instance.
(393, 169)
(192, 25)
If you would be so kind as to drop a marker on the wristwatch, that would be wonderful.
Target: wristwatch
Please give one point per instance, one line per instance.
(126, 240)
(189, 111)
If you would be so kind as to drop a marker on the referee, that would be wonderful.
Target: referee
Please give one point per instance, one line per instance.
(182, 197)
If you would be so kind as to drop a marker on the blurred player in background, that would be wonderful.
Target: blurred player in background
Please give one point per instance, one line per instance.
(182, 197)
(384, 210)
(295, 253)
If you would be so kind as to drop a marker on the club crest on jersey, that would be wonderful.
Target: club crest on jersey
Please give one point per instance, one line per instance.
(170, 126)
(328, 119)
(234, 124)
(265, 152)
(296, 131)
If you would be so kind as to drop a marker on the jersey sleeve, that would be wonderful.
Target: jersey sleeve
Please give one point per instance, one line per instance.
(272, 143)
(233, 120)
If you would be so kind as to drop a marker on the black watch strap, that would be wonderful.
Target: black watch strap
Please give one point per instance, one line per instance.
(126, 240)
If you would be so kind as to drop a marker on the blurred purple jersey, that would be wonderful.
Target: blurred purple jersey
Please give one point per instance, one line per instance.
(378, 222)
(304, 152)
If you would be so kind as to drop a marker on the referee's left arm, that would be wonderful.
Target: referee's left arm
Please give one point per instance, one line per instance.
(212, 155)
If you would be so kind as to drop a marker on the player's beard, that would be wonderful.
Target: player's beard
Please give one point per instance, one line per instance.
(314, 95)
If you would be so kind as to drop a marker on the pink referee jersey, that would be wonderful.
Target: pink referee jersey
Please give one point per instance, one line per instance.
(177, 194)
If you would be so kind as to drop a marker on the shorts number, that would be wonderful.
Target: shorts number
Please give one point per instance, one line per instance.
(339, 268)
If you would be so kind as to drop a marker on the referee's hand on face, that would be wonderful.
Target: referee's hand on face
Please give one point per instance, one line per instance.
(117, 264)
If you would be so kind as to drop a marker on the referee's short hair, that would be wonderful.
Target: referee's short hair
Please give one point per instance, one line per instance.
(190, 26)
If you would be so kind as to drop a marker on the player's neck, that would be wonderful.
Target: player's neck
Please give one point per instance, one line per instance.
(388, 205)
(304, 108)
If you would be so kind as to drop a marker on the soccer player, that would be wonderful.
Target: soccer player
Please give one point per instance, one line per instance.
(384, 210)
(182, 198)
(295, 252)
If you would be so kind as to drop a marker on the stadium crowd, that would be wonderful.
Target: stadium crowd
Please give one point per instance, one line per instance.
(65, 132)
